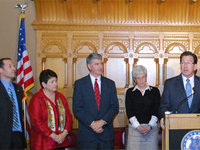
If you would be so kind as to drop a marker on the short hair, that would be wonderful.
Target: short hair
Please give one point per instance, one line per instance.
(1, 61)
(188, 53)
(93, 56)
(139, 69)
(45, 75)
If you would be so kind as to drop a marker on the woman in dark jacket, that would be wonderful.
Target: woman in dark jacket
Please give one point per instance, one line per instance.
(142, 104)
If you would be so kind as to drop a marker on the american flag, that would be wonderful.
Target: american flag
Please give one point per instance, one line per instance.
(24, 69)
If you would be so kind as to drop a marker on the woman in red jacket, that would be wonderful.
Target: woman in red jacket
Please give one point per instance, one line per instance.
(50, 117)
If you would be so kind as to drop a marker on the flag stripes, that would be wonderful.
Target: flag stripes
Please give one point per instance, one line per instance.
(24, 69)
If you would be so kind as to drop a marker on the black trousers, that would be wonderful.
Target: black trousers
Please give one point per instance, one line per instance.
(18, 141)
(95, 145)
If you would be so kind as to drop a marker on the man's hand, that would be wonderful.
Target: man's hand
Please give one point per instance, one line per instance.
(97, 126)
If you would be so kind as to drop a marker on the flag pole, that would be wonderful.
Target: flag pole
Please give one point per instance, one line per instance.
(22, 8)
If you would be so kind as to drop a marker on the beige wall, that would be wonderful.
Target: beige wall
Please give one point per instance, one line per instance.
(9, 17)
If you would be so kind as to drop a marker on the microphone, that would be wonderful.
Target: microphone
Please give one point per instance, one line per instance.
(184, 100)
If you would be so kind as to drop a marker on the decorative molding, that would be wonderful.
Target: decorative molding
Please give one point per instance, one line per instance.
(116, 27)
(165, 70)
(150, 43)
(170, 43)
(74, 60)
(120, 44)
(127, 73)
(65, 73)
(157, 72)
(105, 60)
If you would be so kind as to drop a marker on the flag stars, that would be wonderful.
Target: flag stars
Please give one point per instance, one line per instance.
(20, 55)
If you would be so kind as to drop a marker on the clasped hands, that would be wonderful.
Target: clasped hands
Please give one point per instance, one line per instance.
(59, 138)
(144, 130)
(97, 126)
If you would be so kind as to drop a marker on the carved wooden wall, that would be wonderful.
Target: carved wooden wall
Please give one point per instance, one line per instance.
(69, 30)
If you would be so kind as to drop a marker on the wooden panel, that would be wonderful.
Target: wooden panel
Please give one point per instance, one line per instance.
(150, 64)
(179, 121)
(173, 67)
(185, 122)
(118, 11)
(57, 65)
(147, 32)
(65, 52)
(119, 69)
(81, 68)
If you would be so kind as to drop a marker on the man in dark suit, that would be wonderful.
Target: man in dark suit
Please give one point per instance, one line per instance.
(11, 125)
(95, 105)
(178, 88)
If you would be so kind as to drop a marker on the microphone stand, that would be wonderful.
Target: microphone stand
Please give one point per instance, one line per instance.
(183, 101)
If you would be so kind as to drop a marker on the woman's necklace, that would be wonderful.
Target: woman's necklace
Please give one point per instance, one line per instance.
(50, 95)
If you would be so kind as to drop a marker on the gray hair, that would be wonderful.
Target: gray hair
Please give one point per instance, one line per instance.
(139, 69)
(93, 56)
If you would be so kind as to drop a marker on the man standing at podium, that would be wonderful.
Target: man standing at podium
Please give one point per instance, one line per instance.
(182, 93)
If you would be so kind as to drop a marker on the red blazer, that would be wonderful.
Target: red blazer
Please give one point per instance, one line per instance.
(38, 112)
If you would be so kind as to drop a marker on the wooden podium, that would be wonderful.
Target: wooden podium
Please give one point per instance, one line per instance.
(178, 122)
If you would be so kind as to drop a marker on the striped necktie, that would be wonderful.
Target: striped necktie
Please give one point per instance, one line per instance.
(15, 117)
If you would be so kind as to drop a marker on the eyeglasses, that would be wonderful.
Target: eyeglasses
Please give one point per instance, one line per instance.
(140, 78)
(186, 63)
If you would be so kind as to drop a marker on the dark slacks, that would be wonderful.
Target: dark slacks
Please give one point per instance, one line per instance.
(95, 145)
(18, 141)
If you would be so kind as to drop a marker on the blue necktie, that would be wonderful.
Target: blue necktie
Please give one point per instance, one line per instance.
(15, 117)
(189, 92)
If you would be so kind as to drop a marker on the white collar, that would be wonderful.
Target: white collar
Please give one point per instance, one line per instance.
(191, 78)
(93, 78)
(147, 88)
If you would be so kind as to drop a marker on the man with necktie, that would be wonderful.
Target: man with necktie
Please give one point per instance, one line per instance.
(184, 86)
(11, 115)
(95, 105)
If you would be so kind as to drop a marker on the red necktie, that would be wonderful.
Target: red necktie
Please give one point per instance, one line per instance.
(97, 93)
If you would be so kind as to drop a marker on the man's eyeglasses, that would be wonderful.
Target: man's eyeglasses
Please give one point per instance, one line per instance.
(186, 63)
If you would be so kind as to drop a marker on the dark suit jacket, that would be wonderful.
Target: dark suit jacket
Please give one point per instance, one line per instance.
(86, 111)
(6, 115)
(174, 93)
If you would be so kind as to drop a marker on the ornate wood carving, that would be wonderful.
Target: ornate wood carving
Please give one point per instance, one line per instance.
(69, 30)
